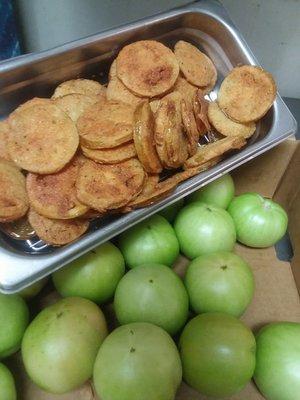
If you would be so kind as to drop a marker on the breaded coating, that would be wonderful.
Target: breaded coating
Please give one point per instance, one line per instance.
(148, 68)
(143, 136)
(57, 232)
(106, 124)
(247, 93)
(107, 187)
(42, 138)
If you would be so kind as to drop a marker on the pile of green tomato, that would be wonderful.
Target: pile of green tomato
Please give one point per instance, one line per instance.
(170, 327)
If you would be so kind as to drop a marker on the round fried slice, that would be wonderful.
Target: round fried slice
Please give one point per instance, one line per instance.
(4, 131)
(171, 142)
(35, 101)
(143, 136)
(106, 187)
(247, 93)
(54, 196)
(190, 126)
(215, 149)
(200, 106)
(147, 68)
(106, 124)
(149, 187)
(155, 191)
(13, 197)
(114, 155)
(226, 126)
(42, 138)
(75, 104)
(57, 231)
(185, 89)
(81, 86)
(116, 90)
(196, 67)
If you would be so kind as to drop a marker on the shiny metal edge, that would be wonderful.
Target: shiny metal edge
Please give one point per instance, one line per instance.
(19, 270)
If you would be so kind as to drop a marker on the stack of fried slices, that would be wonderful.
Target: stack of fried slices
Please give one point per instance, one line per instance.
(92, 150)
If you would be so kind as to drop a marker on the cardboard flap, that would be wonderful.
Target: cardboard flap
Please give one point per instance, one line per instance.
(294, 229)
(289, 185)
(288, 194)
(263, 174)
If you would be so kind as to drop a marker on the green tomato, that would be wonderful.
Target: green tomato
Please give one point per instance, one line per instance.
(60, 345)
(219, 193)
(218, 354)
(171, 211)
(33, 290)
(259, 222)
(150, 241)
(152, 293)
(14, 318)
(277, 371)
(137, 361)
(7, 384)
(93, 276)
(203, 229)
(219, 282)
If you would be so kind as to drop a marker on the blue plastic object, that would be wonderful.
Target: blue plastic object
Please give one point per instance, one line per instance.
(9, 41)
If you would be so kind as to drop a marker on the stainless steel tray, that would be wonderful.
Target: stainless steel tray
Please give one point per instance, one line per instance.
(204, 23)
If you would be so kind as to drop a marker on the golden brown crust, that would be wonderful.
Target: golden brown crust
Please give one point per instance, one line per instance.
(149, 185)
(87, 87)
(212, 150)
(147, 68)
(4, 132)
(35, 101)
(57, 232)
(149, 188)
(13, 197)
(247, 93)
(200, 106)
(42, 138)
(107, 187)
(171, 142)
(143, 136)
(75, 104)
(160, 192)
(190, 126)
(150, 117)
(54, 196)
(226, 126)
(196, 67)
(186, 89)
(156, 191)
(181, 176)
(106, 124)
(114, 155)
(116, 90)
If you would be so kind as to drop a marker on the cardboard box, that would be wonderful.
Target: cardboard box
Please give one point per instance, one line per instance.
(274, 175)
